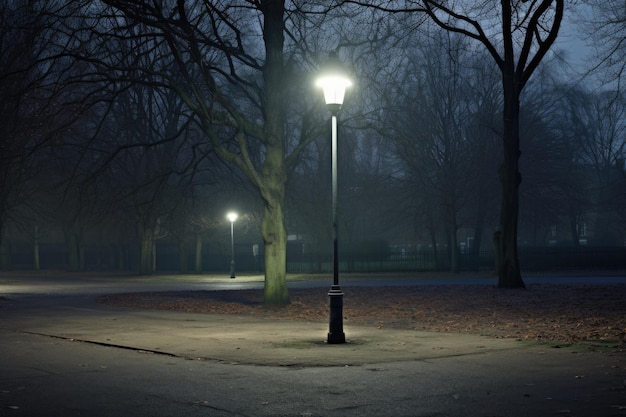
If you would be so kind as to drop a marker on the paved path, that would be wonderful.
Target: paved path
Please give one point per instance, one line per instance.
(64, 355)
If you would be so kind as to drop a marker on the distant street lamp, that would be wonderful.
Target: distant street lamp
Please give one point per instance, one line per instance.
(232, 216)
(334, 81)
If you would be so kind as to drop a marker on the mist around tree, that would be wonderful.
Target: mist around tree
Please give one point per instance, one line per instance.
(128, 123)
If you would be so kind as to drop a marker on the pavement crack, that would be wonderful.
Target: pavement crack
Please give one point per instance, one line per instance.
(106, 344)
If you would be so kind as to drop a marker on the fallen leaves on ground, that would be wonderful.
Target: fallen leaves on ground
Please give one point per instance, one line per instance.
(554, 313)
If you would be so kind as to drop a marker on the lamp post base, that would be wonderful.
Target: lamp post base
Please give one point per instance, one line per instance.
(335, 333)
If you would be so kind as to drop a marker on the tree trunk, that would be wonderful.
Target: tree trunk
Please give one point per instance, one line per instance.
(154, 253)
(507, 262)
(5, 253)
(453, 242)
(433, 242)
(275, 240)
(36, 259)
(198, 261)
(145, 251)
(478, 237)
(73, 252)
(454, 252)
(274, 171)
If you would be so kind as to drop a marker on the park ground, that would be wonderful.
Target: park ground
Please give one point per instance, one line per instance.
(558, 314)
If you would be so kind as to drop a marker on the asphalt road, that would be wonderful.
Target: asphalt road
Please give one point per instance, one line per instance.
(61, 283)
(48, 377)
(52, 374)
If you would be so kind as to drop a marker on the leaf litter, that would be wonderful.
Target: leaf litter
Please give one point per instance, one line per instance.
(542, 312)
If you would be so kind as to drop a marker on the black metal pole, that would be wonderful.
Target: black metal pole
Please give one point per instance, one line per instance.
(335, 295)
(232, 249)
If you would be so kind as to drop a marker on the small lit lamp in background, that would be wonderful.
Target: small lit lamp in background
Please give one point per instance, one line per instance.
(232, 216)
(334, 80)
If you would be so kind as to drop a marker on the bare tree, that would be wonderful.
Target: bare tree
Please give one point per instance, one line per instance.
(29, 110)
(528, 30)
(433, 143)
(607, 29)
(551, 181)
(596, 123)
(517, 35)
(231, 70)
(443, 128)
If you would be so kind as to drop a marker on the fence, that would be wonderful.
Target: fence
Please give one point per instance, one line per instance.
(217, 259)
(531, 259)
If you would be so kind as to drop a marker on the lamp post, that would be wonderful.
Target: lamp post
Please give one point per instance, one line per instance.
(232, 216)
(334, 81)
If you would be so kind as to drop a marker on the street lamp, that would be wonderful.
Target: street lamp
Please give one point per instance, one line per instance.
(334, 81)
(232, 216)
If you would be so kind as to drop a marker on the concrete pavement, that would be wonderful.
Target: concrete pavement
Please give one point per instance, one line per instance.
(243, 339)
(68, 356)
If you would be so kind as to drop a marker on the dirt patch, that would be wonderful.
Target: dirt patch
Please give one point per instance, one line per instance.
(551, 313)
